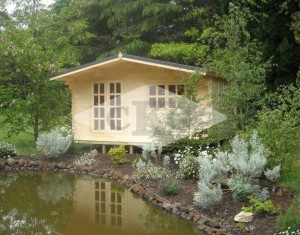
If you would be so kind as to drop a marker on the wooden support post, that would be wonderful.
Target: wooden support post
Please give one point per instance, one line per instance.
(103, 148)
(131, 149)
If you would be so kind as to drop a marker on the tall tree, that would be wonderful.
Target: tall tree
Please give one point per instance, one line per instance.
(35, 44)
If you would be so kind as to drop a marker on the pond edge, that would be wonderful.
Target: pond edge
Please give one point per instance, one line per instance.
(203, 223)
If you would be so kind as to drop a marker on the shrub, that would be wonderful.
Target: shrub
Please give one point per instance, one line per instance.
(170, 187)
(7, 150)
(207, 195)
(151, 172)
(242, 187)
(273, 174)
(87, 159)
(53, 143)
(189, 167)
(166, 160)
(118, 155)
(261, 207)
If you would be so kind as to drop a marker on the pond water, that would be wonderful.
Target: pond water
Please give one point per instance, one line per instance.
(62, 204)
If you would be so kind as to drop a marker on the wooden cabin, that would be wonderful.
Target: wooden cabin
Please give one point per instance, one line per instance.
(112, 97)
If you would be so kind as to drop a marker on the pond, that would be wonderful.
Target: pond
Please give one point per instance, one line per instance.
(57, 203)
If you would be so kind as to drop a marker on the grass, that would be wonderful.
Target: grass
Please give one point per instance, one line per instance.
(290, 221)
(24, 142)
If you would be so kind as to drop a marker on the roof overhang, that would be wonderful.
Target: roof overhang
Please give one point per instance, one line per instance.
(130, 58)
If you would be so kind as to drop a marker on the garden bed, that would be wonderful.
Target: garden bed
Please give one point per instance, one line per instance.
(221, 216)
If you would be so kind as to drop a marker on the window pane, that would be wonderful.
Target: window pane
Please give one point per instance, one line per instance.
(119, 199)
(102, 88)
(161, 102)
(103, 207)
(152, 90)
(180, 89)
(119, 209)
(112, 100)
(96, 100)
(102, 185)
(96, 185)
(112, 125)
(152, 102)
(118, 112)
(102, 124)
(113, 221)
(112, 88)
(95, 88)
(118, 100)
(172, 89)
(118, 125)
(113, 208)
(161, 90)
(96, 125)
(112, 113)
(101, 112)
(96, 113)
(97, 196)
(119, 221)
(102, 100)
(118, 87)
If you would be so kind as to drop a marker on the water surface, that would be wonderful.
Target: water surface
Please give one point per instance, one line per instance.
(56, 203)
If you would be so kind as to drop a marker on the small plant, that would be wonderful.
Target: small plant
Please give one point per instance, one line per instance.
(166, 160)
(189, 167)
(53, 144)
(290, 221)
(240, 225)
(87, 159)
(118, 155)
(151, 172)
(7, 150)
(261, 207)
(170, 187)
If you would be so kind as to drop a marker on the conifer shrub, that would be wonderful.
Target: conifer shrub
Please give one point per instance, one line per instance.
(118, 155)
(7, 150)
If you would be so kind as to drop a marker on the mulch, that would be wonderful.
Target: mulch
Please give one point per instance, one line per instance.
(224, 212)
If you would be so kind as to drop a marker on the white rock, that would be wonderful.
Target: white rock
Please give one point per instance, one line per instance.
(244, 217)
(94, 152)
(10, 161)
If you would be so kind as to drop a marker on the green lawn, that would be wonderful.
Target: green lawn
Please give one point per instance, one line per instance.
(23, 142)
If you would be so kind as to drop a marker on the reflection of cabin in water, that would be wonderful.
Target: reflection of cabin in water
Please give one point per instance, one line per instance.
(109, 205)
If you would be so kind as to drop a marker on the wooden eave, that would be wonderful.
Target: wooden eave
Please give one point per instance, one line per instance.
(133, 59)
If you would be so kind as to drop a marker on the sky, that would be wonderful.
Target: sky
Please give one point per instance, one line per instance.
(10, 7)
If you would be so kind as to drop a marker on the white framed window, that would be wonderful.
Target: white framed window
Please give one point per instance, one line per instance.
(107, 106)
(164, 96)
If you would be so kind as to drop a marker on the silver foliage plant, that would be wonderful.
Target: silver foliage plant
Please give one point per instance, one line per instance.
(239, 169)
(53, 144)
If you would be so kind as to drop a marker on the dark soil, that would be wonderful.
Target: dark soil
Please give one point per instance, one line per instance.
(225, 212)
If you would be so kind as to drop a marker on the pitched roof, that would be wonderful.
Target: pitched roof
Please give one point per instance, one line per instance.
(130, 58)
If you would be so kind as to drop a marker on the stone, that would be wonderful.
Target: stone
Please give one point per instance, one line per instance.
(149, 194)
(94, 152)
(161, 200)
(10, 161)
(167, 206)
(137, 188)
(244, 217)
(2, 165)
(213, 224)
(33, 163)
(197, 217)
(126, 177)
(21, 163)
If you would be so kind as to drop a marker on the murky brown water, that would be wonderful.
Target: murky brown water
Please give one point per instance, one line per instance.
(48, 203)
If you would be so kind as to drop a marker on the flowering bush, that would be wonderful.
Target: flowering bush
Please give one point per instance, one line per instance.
(151, 172)
(7, 150)
(189, 167)
(53, 143)
(87, 159)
